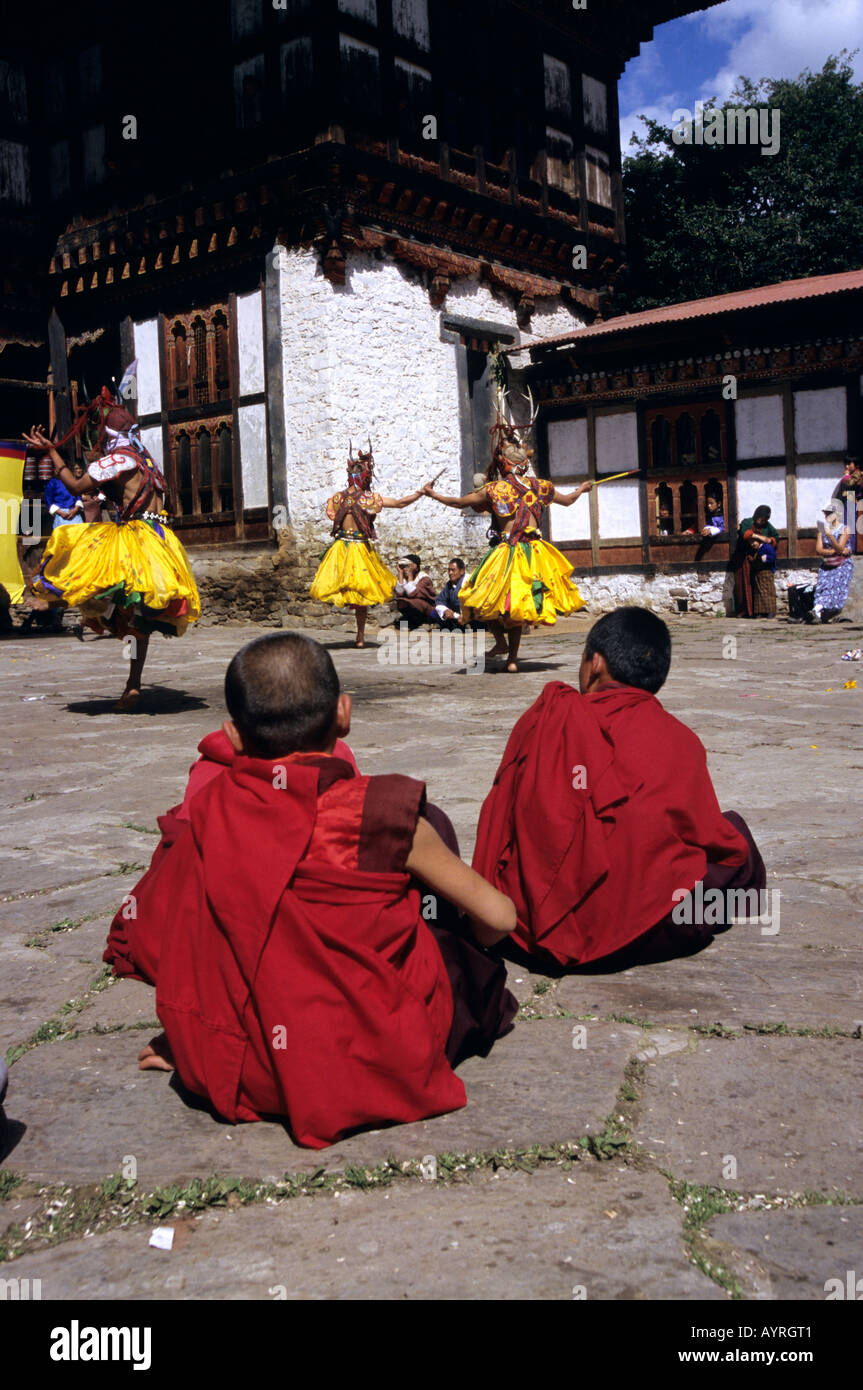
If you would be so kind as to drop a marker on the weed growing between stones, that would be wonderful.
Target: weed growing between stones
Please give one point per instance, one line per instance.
(68, 1213)
(54, 1029)
(8, 1183)
(775, 1029)
(702, 1203)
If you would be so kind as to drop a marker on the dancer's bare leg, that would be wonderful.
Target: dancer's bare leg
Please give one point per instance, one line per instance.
(500, 644)
(513, 640)
(361, 614)
(131, 694)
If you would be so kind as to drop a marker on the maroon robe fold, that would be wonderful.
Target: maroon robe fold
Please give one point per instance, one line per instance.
(294, 973)
(601, 810)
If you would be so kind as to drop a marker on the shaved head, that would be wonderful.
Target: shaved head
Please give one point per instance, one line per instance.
(282, 691)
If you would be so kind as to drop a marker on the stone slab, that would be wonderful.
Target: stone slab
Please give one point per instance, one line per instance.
(33, 988)
(734, 981)
(596, 1232)
(793, 1254)
(125, 1003)
(86, 1106)
(786, 1109)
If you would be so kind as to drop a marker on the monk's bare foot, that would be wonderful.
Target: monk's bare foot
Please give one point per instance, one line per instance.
(128, 700)
(512, 667)
(156, 1056)
(359, 644)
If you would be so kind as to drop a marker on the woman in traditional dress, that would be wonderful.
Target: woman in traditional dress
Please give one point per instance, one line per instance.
(834, 549)
(350, 571)
(129, 577)
(523, 579)
(754, 566)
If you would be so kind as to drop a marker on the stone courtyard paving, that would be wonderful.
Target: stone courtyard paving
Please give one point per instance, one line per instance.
(686, 1130)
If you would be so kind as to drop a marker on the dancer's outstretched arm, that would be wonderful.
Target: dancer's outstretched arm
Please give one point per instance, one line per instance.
(401, 501)
(471, 499)
(566, 499)
(77, 486)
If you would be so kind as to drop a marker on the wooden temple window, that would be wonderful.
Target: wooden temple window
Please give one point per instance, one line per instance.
(202, 463)
(677, 508)
(598, 171)
(660, 443)
(686, 452)
(711, 438)
(663, 510)
(689, 500)
(198, 358)
(686, 436)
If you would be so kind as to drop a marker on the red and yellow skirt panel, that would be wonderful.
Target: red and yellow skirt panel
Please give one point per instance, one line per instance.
(528, 582)
(351, 573)
(128, 577)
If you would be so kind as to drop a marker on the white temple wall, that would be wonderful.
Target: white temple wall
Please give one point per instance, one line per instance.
(366, 359)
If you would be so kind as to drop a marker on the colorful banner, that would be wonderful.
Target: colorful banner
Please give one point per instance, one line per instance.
(12, 456)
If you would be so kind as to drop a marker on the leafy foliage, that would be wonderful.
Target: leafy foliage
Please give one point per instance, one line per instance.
(710, 219)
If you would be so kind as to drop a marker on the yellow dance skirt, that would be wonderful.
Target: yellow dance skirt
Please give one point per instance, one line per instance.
(524, 583)
(351, 572)
(124, 578)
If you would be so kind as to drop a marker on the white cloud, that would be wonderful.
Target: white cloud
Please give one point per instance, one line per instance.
(767, 39)
(761, 38)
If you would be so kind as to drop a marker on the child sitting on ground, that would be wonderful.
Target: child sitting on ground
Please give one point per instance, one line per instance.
(296, 974)
(603, 818)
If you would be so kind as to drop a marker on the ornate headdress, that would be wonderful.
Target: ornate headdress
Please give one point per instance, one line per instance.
(361, 470)
(509, 451)
(104, 421)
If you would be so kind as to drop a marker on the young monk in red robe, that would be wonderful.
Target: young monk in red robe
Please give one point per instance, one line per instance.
(603, 817)
(282, 925)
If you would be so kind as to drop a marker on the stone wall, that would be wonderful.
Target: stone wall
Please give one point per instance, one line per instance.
(270, 585)
(706, 594)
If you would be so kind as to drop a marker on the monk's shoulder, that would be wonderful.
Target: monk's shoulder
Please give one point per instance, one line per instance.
(392, 805)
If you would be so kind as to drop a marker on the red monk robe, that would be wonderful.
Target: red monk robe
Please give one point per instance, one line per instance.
(602, 808)
(294, 973)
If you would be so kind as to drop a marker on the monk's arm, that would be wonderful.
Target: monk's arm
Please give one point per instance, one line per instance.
(471, 499)
(401, 501)
(491, 914)
(566, 499)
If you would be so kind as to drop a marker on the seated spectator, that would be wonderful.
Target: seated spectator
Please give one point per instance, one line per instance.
(63, 507)
(715, 520)
(415, 595)
(447, 611)
(602, 817)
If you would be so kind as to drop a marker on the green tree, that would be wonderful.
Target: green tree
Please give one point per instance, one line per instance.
(704, 220)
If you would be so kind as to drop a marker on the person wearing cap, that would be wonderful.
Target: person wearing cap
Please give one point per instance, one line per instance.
(834, 549)
(130, 576)
(415, 593)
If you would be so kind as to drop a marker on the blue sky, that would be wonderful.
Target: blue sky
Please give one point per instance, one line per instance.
(702, 55)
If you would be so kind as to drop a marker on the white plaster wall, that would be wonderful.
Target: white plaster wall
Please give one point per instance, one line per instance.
(366, 359)
(759, 426)
(253, 454)
(567, 448)
(152, 441)
(762, 487)
(619, 512)
(616, 442)
(570, 523)
(250, 339)
(411, 20)
(820, 421)
(815, 484)
(146, 337)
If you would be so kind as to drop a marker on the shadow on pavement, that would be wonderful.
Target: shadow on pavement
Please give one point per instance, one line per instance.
(155, 700)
